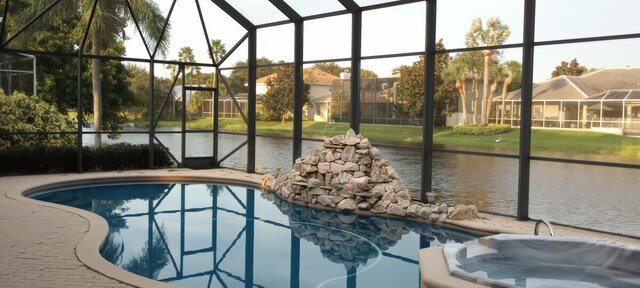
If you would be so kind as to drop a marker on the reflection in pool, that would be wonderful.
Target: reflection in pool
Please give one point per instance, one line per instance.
(212, 235)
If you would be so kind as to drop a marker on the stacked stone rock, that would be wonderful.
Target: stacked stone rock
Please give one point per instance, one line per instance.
(349, 174)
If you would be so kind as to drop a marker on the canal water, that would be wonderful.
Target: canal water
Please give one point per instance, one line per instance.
(595, 197)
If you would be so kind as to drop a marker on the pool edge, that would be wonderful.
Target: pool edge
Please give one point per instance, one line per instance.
(87, 250)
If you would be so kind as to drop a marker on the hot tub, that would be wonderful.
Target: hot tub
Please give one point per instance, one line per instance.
(507, 260)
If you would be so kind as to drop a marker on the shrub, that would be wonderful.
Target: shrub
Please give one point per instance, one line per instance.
(39, 159)
(491, 129)
(22, 113)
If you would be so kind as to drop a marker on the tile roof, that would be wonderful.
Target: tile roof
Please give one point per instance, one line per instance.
(317, 76)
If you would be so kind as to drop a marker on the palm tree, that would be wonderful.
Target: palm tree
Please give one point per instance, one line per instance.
(108, 23)
(186, 55)
(495, 34)
(218, 50)
(513, 69)
(456, 72)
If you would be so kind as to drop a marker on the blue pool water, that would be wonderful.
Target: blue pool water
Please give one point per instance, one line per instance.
(214, 235)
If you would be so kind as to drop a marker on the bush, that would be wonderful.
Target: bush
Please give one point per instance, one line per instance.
(40, 159)
(491, 129)
(21, 113)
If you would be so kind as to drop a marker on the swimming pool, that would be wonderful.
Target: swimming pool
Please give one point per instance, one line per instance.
(216, 235)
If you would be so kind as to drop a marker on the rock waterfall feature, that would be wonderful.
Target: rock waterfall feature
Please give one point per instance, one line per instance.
(349, 174)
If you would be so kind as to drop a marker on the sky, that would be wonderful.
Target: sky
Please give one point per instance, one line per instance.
(401, 29)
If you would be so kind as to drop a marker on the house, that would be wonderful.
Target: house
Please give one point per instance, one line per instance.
(606, 100)
(176, 105)
(318, 108)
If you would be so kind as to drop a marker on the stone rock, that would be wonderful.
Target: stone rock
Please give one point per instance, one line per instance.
(404, 203)
(443, 208)
(336, 140)
(347, 204)
(364, 205)
(392, 173)
(395, 209)
(390, 196)
(378, 208)
(365, 160)
(361, 181)
(313, 183)
(424, 213)
(350, 141)
(374, 153)
(313, 160)
(373, 200)
(414, 210)
(464, 212)
(308, 168)
(348, 153)
(364, 144)
(442, 217)
(350, 166)
(324, 167)
(404, 194)
(350, 133)
(434, 217)
(343, 178)
(378, 190)
(336, 168)
(318, 191)
(329, 157)
(362, 151)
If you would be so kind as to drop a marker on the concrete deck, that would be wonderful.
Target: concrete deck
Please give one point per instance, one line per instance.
(50, 245)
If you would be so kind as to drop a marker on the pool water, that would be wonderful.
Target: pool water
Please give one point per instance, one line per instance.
(214, 235)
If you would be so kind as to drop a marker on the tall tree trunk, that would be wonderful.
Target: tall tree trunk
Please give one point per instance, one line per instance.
(505, 85)
(283, 115)
(474, 102)
(494, 86)
(485, 86)
(96, 80)
(463, 96)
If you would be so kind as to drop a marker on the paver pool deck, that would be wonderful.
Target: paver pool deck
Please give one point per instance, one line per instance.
(49, 245)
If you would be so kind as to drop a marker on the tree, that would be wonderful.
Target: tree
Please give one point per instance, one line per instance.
(512, 81)
(572, 69)
(21, 113)
(494, 34)
(238, 78)
(410, 89)
(185, 55)
(218, 50)
(364, 73)
(278, 101)
(330, 67)
(106, 30)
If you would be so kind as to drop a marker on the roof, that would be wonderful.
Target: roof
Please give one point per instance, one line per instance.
(585, 86)
(317, 76)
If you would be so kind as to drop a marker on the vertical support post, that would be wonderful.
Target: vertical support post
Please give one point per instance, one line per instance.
(251, 102)
(248, 252)
(79, 116)
(298, 90)
(214, 224)
(152, 129)
(429, 91)
(525, 116)
(215, 111)
(294, 276)
(183, 135)
(356, 55)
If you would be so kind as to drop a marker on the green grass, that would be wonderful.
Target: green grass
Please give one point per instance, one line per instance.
(563, 141)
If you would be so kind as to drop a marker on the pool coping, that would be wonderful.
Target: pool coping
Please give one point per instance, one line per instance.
(87, 249)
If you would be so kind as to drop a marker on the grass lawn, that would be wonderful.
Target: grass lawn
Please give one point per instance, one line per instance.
(565, 141)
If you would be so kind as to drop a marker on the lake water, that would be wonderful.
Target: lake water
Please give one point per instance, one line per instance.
(601, 198)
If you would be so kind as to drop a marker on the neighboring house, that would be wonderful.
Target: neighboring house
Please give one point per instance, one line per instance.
(318, 108)
(606, 100)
